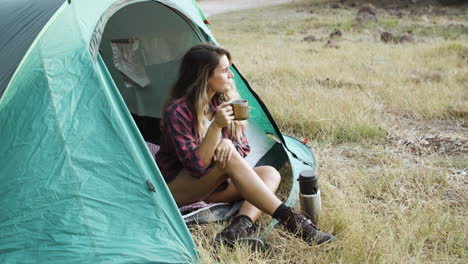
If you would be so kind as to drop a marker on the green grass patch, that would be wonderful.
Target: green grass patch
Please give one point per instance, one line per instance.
(448, 32)
(389, 23)
(459, 50)
(384, 202)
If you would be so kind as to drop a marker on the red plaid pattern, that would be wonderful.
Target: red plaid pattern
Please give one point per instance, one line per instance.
(180, 142)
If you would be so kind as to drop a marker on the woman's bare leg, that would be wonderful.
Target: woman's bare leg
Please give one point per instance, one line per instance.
(270, 177)
(250, 186)
(186, 189)
(252, 189)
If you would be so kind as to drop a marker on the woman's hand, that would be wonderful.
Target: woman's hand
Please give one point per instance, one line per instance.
(224, 115)
(223, 153)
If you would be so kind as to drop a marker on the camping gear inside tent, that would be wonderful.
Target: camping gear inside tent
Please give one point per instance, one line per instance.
(81, 88)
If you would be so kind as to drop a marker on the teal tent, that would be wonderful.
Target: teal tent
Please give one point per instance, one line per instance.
(81, 87)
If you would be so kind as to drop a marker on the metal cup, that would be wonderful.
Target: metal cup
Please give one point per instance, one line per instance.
(240, 108)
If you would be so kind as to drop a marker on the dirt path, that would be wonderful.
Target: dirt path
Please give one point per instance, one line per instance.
(214, 7)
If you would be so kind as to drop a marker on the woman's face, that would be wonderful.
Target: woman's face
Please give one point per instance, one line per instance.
(220, 81)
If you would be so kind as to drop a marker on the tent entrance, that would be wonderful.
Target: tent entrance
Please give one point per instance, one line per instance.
(142, 46)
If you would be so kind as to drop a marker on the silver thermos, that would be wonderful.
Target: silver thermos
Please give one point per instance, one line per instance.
(309, 195)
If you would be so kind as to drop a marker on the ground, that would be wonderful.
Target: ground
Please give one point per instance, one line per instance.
(388, 122)
(214, 7)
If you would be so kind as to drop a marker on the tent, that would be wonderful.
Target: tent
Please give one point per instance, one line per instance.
(81, 84)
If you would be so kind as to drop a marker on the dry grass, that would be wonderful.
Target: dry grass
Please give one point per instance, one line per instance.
(388, 123)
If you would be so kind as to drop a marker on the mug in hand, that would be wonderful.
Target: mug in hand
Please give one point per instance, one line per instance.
(240, 108)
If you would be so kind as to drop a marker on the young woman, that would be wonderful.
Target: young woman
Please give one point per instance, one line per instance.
(202, 151)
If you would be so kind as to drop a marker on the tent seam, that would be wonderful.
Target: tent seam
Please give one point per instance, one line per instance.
(117, 5)
(68, 158)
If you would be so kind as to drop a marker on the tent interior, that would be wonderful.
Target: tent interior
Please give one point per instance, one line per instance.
(143, 55)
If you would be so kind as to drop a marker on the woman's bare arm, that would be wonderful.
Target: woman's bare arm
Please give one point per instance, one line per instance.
(223, 118)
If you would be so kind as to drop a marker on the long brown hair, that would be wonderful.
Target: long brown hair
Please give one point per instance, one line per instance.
(198, 65)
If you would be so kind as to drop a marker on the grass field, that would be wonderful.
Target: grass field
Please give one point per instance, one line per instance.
(388, 124)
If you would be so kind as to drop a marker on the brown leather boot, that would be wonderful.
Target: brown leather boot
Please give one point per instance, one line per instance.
(241, 230)
(299, 225)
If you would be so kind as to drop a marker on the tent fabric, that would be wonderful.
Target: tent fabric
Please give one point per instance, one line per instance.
(301, 158)
(73, 166)
(159, 52)
(20, 23)
(78, 182)
(190, 12)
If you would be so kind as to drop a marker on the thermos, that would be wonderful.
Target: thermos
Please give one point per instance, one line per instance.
(309, 195)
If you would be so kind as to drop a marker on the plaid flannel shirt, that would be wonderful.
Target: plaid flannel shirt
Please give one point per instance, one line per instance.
(180, 142)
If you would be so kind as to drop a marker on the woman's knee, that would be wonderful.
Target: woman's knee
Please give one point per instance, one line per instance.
(235, 160)
(270, 174)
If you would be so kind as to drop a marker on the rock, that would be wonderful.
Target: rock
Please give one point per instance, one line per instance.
(310, 38)
(406, 38)
(335, 6)
(352, 4)
(331, 44)
(387, 37)
(366, 13)
(338, 33)
(368, 8)
(418, 12)
(413, 1)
